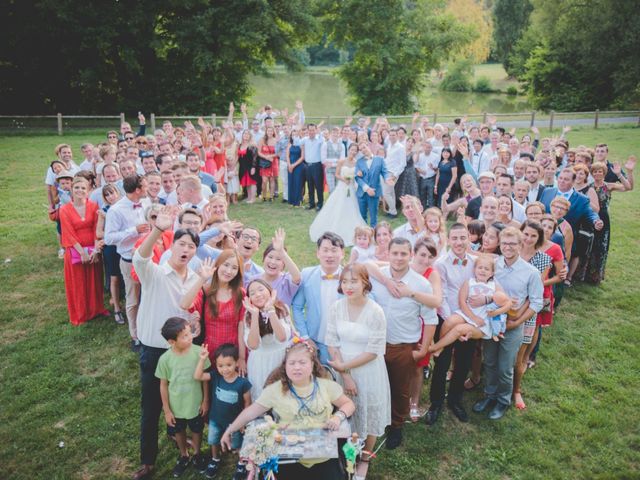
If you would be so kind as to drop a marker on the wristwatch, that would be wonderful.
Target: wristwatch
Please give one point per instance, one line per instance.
(341, 415)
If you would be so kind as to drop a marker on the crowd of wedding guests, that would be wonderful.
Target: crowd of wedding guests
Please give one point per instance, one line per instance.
(223, 339)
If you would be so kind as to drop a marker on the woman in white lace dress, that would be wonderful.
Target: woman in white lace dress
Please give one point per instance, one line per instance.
(340, 214)
(266, 331)
(356, 337)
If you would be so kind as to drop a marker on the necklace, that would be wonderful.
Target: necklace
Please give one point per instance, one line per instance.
(304, 402)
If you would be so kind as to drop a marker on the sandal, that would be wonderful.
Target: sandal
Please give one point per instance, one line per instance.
(414, 413)
(470, 384)
(119, 318)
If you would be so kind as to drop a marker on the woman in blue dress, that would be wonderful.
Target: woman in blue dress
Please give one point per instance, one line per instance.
(446, 176)
(296, 169)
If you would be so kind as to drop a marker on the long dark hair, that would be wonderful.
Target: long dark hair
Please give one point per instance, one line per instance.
(281, 310)
(235, 284)
(446, 149)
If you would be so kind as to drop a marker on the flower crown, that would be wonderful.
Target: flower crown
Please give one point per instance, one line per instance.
(301, 340)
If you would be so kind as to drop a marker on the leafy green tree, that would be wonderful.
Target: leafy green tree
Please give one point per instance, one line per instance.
(167, 55)
(510, 20)
(458, 77)
(587, 56)
(396, 43)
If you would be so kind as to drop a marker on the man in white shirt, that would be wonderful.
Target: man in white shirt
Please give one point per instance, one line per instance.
(180, 170)
(64, 154)
(480, 160)
(454, 268)
(533, 174)
(331, 152)
(163, 287)
(395, 162)
(427, 167)
(189, 193)
(491, 149)
(89, 154)
(311, 147)
(405, 318)
(124, 224)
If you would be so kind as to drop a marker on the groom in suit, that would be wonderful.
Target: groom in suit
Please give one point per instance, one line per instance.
(368, 171)
(580, 209)
(318, 292)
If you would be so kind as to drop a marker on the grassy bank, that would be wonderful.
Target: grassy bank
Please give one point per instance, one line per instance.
(70, 395)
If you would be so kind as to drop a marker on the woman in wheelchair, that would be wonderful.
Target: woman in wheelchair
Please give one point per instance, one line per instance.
(299, 393)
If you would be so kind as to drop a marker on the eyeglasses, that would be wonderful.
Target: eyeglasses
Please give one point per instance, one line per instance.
(509, 244)
(141, 143)
(248, 237)
(112, 136)
(128, 138)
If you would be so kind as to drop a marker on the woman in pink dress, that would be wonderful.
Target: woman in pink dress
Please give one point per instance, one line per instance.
(267, 151)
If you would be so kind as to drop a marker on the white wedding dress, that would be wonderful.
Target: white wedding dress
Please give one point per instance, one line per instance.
(340, 213)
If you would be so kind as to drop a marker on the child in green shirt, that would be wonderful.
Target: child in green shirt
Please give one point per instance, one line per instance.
(185, 400)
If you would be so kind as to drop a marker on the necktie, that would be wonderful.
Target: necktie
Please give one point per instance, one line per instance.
(457, 261)
(137, 205)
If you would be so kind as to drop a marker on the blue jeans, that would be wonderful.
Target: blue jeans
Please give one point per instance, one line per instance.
(369, 205)
(499, 359)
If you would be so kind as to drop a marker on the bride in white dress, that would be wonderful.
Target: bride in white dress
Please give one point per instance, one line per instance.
(340, 213)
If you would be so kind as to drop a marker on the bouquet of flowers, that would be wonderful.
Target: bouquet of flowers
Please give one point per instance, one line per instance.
(348, 176)
(263, 452)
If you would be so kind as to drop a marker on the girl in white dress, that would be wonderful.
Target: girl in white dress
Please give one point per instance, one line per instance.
(356, 338)
(436, 231)
(365, 248)
(474, 322)
(266, 331)
(340, 214)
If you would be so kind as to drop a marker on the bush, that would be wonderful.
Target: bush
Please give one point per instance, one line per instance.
(512, 90)
(483, 85)
(458, 77)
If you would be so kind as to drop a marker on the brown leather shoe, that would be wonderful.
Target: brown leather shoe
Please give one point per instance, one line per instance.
(144, 473)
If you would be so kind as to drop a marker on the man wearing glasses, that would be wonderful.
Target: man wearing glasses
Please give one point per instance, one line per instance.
(248, 244)
(522, 282)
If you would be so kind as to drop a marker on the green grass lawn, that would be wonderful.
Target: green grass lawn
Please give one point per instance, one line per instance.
(79, 385)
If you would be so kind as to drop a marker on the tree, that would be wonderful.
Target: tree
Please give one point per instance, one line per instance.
(585, 58)
(510, 20)
(395, 44)
(471, 13)
(188, 56)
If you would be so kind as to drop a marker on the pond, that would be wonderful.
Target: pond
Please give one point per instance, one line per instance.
(324, 94)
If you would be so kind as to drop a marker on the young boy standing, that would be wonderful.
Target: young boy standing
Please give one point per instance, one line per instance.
(230, 394)
(184, 400)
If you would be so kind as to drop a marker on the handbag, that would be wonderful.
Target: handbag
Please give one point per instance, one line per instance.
(264, 163)
(75, 256)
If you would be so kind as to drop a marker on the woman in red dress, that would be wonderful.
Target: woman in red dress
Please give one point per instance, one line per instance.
(82, 265)
(267, 149)
(221, 302)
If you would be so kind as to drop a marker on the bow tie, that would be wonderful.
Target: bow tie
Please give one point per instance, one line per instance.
(195, 207)
(329, 276)
(137, 205)
(457, 261)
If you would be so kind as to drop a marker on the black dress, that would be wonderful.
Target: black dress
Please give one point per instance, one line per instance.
(600, 249)
(584, 240)
(407, 183)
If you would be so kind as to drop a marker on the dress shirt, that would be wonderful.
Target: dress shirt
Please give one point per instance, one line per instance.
(566, 195)
(396, 159)
(405, 316)
(428, 163)
(520, 281)
(405, 231)
(120, 225)
(452, 277)
(328, 297)
(481, 162)
(161, 292)
(87, 165)
(96, 195)
(532, 196)
(312, 149)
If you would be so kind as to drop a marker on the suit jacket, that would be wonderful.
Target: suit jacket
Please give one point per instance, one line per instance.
(307, 304)
(579, 211)
(541, 189)
(370, 176)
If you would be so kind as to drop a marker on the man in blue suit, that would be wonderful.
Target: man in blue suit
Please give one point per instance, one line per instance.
(368, 171)
(580, 209)
(319, 291)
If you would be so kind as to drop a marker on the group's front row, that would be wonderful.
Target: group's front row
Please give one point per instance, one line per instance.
(371, 327)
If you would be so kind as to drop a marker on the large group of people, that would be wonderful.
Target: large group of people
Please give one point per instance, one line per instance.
(225, 339)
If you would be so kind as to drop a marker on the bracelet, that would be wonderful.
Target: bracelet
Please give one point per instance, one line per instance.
(341, 415)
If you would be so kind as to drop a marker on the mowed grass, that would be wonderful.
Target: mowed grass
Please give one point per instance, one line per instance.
(69, 402)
